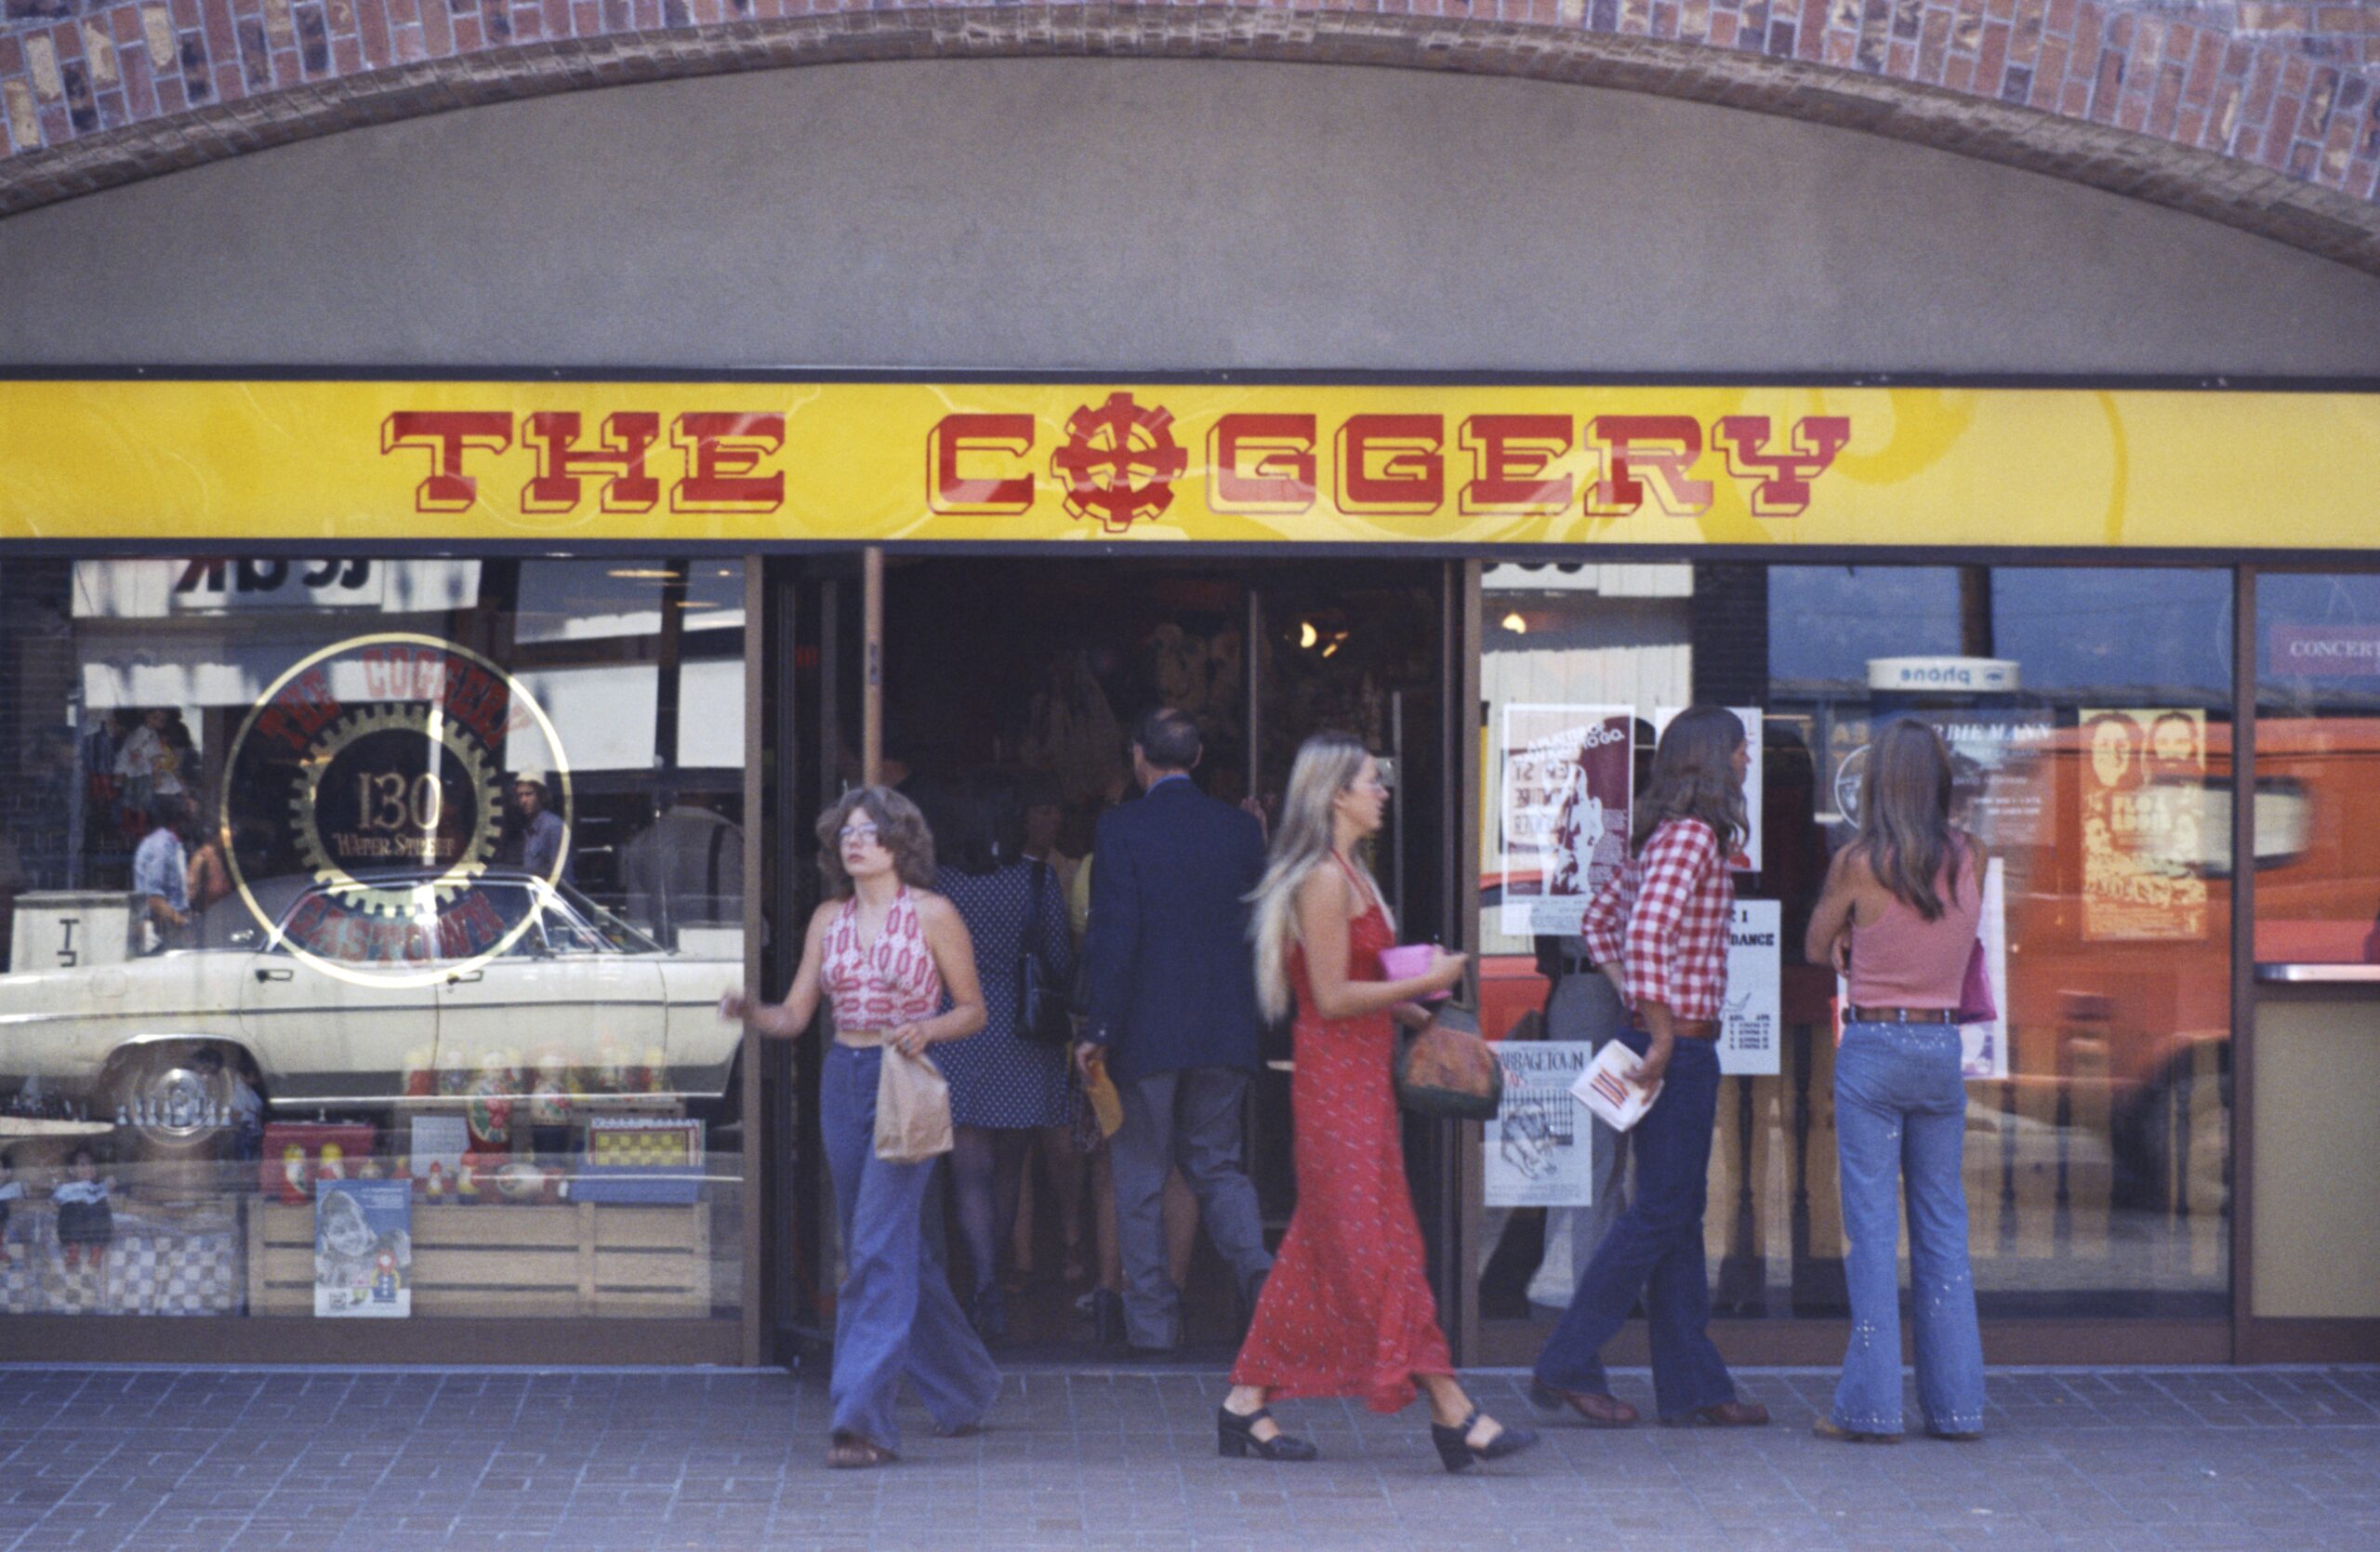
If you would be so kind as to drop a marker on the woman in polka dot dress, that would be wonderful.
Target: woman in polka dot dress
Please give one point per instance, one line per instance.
(1346, 1310)
(1004, 1089)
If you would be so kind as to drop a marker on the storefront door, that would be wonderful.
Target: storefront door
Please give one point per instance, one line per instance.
(1023, 676)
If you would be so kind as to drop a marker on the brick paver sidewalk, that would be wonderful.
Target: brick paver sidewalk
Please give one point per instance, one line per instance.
(156, 1459)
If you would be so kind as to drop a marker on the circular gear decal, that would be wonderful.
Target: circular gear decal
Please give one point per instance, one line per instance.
(363, 809)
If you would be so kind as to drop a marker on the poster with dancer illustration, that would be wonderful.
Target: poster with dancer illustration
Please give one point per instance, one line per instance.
(2145, 841)
(1567, 777)
(1745, 858)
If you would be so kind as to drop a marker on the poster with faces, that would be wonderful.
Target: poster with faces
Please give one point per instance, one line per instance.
(2146, 841)
(1746, 857)
(1564, 795)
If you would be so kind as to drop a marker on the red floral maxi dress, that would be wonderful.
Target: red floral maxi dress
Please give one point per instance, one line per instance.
(1346, 1311)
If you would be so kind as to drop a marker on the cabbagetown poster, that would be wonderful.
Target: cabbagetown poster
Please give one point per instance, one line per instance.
(2143, 783)
(1562, 815)
(1535, 1151)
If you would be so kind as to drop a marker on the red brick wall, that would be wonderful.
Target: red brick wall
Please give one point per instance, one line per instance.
(2263, 115)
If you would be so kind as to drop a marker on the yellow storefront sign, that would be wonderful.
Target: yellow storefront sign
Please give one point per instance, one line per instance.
(761, 462)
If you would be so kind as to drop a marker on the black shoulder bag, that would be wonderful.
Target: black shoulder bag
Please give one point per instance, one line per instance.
(1041, 1012)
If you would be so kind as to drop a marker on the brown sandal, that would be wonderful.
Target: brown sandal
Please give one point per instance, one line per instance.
(851, 1452)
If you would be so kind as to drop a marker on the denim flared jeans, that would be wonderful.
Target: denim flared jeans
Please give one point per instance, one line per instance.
(1655, 1248)
(1900, 1110)
(894, 1314)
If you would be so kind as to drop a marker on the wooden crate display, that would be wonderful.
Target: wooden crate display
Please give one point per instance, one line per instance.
(581, 1258)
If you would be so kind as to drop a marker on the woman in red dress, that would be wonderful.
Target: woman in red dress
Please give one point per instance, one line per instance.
(1346, 1310)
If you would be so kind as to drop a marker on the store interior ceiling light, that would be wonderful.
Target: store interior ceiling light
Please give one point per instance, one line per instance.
(643, 574)
(1307, 635)
(1516, 624)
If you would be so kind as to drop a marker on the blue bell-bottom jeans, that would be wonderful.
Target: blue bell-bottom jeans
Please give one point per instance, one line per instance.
(894, 1314)
(1655, 1248)
(1901, 1109)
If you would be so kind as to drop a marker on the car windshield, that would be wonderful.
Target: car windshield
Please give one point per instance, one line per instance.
(595, 931)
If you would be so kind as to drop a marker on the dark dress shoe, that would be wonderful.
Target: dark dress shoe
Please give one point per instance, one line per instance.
(1721, 1414)
(1596, 1409)
(1456, 1451)
(1236, 1439)
(1106, 1317)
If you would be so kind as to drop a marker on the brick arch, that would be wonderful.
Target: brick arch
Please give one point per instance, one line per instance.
(2263, 116)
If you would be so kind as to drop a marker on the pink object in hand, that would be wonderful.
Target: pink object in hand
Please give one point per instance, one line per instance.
(1409, 960)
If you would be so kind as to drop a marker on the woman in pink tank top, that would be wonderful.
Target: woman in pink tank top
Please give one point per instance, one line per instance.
(1900, 915)
(881, 952)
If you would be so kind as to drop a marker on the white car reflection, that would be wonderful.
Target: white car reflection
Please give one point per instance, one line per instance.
(579, 1005)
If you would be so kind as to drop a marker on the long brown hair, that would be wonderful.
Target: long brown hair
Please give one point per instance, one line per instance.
(1904, 834)
(900, 829)
(1694, 777)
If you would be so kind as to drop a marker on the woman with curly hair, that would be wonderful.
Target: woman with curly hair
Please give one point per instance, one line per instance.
(881, 950)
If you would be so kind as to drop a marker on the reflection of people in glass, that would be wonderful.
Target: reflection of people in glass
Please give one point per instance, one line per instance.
(2115, 752)
(161, 871)
(1902, 905)
(209, 873)
(544, 833)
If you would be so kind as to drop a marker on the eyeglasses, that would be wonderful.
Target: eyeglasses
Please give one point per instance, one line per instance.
(857, 832)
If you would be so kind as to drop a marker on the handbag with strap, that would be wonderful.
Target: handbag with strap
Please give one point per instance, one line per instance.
(1976, 1004)
(1043, 1015)
(1446, 1070)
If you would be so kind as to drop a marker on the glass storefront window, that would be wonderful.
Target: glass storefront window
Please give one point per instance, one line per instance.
(2088, 714)
(366, 921)
(2317, 759)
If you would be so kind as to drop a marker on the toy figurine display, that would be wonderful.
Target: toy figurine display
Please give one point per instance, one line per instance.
(85, 1221)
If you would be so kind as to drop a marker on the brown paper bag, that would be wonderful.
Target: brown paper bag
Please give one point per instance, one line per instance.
(912, 1110)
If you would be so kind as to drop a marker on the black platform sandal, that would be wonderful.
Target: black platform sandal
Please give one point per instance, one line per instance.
(1235, 1435)
(1457, 1452)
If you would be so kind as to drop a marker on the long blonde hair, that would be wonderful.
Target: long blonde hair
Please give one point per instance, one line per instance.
(1326, 765)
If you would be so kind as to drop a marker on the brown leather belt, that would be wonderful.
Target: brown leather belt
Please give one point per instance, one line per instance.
(1899, 1015)
(1688, 1029)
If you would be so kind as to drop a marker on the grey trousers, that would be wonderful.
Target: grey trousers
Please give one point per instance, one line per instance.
(1584, 1007)
(1190, 1118)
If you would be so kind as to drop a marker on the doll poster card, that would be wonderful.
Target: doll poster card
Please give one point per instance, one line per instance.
(363, 1249)
(1562, 811)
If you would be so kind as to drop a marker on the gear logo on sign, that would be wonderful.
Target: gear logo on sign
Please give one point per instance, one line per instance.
(1119, 463)
(364, 787)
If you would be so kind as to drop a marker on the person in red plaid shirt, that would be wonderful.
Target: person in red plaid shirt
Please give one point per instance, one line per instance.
(1659, 929)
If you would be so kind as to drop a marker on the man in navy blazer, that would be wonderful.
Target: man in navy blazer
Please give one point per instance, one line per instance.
(1173, 994)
